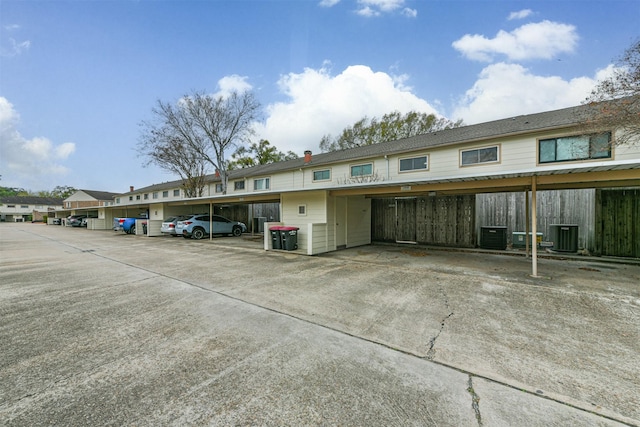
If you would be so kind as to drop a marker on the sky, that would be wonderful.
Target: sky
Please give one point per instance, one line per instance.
(78, 77)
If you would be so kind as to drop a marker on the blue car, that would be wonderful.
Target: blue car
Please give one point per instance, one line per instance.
(197, 226)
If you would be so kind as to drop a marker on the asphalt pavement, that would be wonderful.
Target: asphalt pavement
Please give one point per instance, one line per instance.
(103, 328)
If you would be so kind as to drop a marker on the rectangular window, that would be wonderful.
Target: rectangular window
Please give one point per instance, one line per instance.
(323, 175)
(362, 170)
(137, 197)
(176, 193)
(238, 185)
(302, 210)
(165, 193)
(118, 200)
(218, 188)
(580, 147)
(155, 195)
(130, 198)
(414, 163)
(24, 207)
(146, 196)
(261, 184)
(11, 206)
(479, 156)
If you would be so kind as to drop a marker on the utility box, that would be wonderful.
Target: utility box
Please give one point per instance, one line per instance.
(564, 237)
(519, 239)
(494, 237)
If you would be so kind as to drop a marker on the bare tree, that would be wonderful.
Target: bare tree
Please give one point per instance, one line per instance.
(194, 135)
(616, 100)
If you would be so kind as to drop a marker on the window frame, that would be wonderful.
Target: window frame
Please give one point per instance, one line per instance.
(498, 160)
(590, 148)
(426, 163)
(239, 185)
(266, 180)
(321, 179)
(165, 194)
(360, 165)
(176, 193)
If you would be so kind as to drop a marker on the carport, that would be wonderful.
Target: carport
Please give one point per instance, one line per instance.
(580, 177)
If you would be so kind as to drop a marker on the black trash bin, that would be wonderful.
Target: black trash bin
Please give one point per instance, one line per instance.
(289, 236)
(276, 240)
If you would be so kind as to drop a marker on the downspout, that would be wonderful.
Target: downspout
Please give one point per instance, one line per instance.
(387, 159)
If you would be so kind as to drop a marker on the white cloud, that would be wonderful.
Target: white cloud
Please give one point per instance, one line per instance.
(531, 41)
(319, 104)
(28, 161)
(506, 90)
(232, 83)
(521, 14)
(328, 3)
(369, 8)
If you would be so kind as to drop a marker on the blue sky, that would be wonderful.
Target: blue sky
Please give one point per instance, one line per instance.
(77, 77)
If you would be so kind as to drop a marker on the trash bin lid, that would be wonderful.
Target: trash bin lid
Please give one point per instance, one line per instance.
(275, 228)
(284, 228)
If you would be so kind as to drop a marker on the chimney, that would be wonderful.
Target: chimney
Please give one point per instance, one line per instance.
(307, 156)
(131, 188)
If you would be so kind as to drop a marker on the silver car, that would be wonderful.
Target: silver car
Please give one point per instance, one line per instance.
(197, 226)
(169, 225)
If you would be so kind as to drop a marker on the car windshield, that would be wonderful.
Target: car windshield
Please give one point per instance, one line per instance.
(173, 218)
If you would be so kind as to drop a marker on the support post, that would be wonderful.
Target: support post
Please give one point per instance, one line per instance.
(534, 227)
(527, 226)
(210, 221)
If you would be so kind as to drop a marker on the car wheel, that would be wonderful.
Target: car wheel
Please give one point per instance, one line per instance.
(198, 233)
(132, 230)
(237, 231)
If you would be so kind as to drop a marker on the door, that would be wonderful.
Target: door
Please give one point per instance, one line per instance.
(406, 219)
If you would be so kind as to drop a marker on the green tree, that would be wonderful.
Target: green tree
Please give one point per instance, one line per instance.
(617, 99)
(59, 192)
(260, 153)
(390, 127)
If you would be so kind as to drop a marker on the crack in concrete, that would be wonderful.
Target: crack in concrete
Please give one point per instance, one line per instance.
(431, 352)
(475, 400)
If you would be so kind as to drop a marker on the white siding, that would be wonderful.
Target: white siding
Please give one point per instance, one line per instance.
(358, 221)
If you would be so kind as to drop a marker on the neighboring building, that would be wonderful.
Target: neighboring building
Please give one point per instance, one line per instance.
(28, 208)
(333, 197)
(91, 203)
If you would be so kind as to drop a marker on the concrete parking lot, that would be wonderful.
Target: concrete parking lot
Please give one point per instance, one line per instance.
(102, 328)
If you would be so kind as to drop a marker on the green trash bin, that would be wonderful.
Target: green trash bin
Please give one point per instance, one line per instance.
(289, 236)
(276, 240)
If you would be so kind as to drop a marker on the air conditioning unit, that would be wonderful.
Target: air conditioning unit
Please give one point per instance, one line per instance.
(564, 237)
(494, 237)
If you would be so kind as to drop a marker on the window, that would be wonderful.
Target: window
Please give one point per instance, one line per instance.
(479, 155)
(24, 207)
(117, 200)
(155, 195)
(261, 184)
(165, 193)
(323, 175)
(130, 198)
(581, 147)
(218, 188)
(11, 206)
(137, 197)
(238, 185)
(146, 196)
(414, 163)
(362, 170)
(302, 210)
(176, 193)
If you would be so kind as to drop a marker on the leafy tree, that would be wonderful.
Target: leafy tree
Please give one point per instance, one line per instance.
(260, 153)
(59, 192)
(190, 137)
(391, 127)
(12, 191)
(623, 90)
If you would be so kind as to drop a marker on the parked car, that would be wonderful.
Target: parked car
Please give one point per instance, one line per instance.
(57, 221)
(197, 226)
(169, 224)
(75, 220)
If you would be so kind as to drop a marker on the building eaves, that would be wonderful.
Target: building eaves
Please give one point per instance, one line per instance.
(100, 195)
